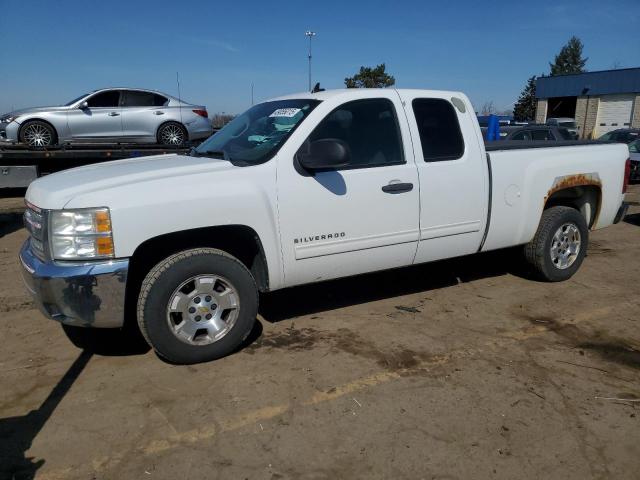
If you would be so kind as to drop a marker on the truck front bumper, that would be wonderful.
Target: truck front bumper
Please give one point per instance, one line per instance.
(89, 294)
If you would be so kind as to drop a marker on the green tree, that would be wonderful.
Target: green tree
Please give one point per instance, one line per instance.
(525, 108)
(369, 77)
(569, 60)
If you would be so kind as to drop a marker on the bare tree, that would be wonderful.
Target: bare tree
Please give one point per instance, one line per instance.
(219, 120)
(488, 108)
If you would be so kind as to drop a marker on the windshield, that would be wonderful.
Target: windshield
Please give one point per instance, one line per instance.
(565, 134)
(568, 124)
(255, 136)
(68, 104)
(634, 147)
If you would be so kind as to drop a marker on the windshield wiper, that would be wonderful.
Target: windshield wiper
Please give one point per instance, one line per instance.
(217, 154)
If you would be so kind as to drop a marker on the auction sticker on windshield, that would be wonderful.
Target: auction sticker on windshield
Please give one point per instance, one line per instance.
(285, 112)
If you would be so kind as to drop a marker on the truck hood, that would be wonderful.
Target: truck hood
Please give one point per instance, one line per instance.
(57, 190)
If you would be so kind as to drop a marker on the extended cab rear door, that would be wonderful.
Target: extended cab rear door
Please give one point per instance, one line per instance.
(453, 173)
(355, 219)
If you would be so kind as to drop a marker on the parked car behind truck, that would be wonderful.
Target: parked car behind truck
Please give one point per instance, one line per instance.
(301, 189)
(111, 115)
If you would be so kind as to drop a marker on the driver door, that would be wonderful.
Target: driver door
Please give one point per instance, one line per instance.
(101, 121)
(358, 218)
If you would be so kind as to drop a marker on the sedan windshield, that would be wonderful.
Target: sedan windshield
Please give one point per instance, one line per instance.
(68, 104)
(255, 136)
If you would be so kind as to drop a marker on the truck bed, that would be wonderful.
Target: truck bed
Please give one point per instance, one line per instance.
(524, 144)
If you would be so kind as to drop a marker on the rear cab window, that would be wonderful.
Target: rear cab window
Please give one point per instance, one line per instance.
(440, 135)
(542, 134)
(522, 135)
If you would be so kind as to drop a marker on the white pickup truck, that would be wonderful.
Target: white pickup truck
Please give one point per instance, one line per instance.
(301, 189)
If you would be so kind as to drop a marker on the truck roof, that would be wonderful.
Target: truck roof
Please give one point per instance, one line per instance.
(357, 93)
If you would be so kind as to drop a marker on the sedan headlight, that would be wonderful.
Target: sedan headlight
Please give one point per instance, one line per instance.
(8, 118)
(81, 234)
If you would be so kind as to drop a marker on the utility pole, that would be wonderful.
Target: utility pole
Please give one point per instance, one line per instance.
(310, 34)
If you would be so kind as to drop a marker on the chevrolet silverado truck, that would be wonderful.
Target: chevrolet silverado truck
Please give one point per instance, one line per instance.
(300, 189)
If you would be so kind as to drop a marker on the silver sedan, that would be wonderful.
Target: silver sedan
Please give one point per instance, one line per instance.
(111, 115)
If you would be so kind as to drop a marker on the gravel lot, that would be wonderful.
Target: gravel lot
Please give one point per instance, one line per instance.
(459, 369)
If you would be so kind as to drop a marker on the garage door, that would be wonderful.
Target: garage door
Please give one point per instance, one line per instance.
(614, 112)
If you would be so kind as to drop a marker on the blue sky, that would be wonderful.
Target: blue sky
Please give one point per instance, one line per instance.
(52, 51)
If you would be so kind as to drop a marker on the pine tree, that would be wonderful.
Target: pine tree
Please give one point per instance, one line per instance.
(569, 60)
(524, 109)
(369, 77)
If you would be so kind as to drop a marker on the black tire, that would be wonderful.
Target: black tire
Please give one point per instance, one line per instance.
(164, 136)
(49, 134)
(538, 251)
(161, 283)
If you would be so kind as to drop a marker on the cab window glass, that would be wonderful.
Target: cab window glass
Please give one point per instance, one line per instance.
(369, 127)
(131, 98)
(105, 99)
(523, 135)
(440, 134)
(542, 135)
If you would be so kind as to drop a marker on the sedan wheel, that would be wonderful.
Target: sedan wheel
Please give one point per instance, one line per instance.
(172, 134)
(37, 134)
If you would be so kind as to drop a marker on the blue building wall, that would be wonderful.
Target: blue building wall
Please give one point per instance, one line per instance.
(605, 82)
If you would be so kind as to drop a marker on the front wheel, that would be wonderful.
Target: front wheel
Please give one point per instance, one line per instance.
(197, 305)
(37, 134)
(560, 244)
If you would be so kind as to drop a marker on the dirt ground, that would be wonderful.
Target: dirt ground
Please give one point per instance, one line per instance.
(460, 369)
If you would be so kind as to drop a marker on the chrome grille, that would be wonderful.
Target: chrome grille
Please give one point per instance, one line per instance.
(35, 223)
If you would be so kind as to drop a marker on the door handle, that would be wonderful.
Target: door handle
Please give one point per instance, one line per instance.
(157, 112)
(113, 114)
(397, 188)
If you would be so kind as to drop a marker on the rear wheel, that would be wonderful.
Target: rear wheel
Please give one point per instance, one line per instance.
(172, 133)
(197, 305)
(38, 134)
(560, 244)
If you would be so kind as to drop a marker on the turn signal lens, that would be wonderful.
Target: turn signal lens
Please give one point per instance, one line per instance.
(104, 246)
(103, 221)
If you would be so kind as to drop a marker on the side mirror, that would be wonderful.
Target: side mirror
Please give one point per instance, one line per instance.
(323, 154)
(83, 105)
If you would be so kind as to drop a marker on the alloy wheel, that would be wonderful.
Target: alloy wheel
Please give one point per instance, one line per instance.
(37, 135)
(203, 309)
(172, 135)
(565, 246)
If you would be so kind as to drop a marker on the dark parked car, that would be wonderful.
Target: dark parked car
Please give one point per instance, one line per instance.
(634, 156)
(621, 135)
(540, 132)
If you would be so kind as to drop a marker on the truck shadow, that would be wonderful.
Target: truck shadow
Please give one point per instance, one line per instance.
(633, 219)
(9, 223)
(17, 433)
(309, 299)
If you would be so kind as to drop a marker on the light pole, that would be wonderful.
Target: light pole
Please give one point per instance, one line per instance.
(310, 34)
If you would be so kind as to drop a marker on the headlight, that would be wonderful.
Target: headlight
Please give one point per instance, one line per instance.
(81, 234)
(8, 118)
